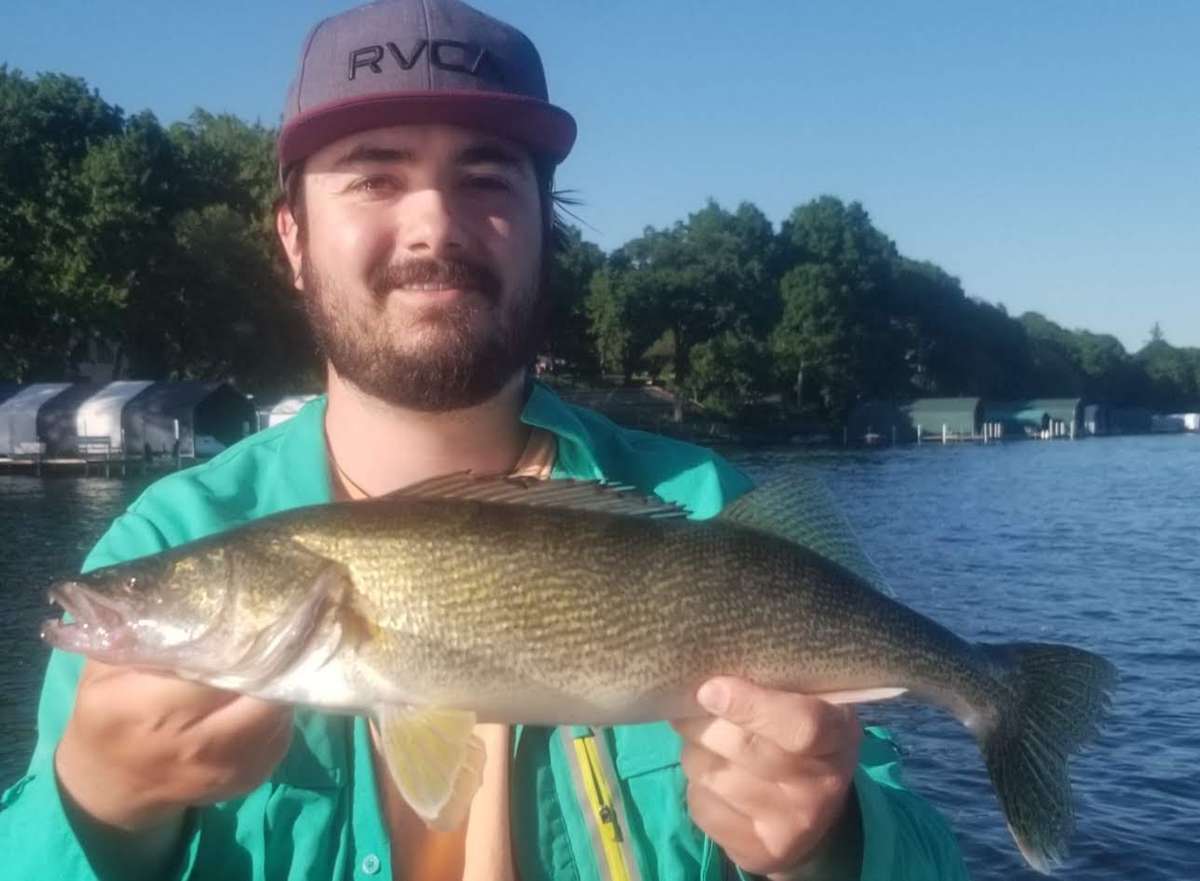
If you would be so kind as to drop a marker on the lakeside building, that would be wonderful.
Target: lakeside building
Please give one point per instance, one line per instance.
(1095, 419)
(1017, 419)
(124, 419)
(974, 419)
(195, 417)
(1130, 420)
(18, 418)
(901, 421)
(1171, 423)
(1039, 417)
(275, 411)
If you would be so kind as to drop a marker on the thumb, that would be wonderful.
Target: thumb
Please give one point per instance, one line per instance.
(731, 698)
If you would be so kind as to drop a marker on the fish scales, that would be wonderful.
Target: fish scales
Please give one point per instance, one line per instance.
(560, 596)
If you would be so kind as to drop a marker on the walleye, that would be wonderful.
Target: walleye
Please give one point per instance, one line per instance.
(466, 599)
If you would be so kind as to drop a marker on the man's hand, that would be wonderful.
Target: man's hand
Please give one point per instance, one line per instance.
(140, 748)
(769, 775)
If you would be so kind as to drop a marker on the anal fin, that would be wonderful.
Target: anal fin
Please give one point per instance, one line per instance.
(858, 695)
(435, 760)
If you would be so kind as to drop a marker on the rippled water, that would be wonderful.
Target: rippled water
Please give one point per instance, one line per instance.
(47, 527)
(1095, 543)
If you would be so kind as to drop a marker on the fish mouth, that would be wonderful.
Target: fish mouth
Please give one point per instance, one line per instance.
(98, 627)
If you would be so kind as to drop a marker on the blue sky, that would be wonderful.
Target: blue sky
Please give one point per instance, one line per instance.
(1048, 154)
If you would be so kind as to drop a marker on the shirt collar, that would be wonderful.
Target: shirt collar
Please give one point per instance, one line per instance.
(576, 458)
(304, 458)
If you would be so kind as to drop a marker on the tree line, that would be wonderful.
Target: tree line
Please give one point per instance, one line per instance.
(157, 243)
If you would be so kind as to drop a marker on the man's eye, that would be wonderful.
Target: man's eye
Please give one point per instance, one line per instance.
(374, 185)
(488, 182)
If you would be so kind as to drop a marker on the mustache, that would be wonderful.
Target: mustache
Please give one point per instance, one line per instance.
(446, 273)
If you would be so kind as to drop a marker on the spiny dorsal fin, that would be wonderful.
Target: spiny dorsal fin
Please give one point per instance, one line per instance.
(798, 507)
(435, 759)
(582, 495)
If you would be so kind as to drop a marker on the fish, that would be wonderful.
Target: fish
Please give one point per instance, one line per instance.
(467, 599)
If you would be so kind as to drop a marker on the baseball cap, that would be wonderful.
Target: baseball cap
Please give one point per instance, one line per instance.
(419, 61)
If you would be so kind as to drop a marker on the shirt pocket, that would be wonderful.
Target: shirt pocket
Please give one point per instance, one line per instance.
(654, 792)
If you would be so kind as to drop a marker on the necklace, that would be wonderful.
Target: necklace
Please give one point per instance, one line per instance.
(349, 481)
(347, 478)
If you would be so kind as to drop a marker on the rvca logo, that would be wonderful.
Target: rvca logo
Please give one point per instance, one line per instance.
(445, 54)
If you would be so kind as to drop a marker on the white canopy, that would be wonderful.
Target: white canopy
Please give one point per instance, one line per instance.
(18, 415)
(282, 410)
(100, 414)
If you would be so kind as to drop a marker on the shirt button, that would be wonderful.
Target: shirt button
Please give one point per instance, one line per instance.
(370, 864)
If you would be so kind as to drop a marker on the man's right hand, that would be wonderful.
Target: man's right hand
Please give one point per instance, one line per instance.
(140, 748)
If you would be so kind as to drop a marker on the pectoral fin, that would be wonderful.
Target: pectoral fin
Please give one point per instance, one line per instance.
(435, 759)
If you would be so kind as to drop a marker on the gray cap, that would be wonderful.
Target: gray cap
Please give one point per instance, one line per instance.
(419, 61)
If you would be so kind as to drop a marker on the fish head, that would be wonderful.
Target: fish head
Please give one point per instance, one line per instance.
(212, 611)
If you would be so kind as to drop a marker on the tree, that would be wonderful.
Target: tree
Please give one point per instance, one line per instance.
(840, 336)
(48, 125)
(813, 339)
(617, 320)
(1173, 374)
(576, 262)
(729, 373)
(699, 279)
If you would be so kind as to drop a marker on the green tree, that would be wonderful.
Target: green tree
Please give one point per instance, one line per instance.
(615, 317)
(813, 341)
(1173, 374)
(840, 336)
(230, 162)
(568, 339)
(50, 296)
(729, 373)
(699, 279)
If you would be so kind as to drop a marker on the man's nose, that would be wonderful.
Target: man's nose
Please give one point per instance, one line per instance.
(429, 226)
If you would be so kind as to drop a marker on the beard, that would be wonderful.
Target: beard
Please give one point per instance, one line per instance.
(439, 357)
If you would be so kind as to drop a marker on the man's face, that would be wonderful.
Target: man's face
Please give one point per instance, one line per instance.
(419, 257)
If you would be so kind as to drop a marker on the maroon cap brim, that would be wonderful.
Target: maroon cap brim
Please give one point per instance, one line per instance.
(539, 125)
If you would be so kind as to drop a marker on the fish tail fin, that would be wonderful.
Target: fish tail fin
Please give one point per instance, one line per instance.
(1057, 696)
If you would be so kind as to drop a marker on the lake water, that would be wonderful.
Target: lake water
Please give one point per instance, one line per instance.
(1095, 543)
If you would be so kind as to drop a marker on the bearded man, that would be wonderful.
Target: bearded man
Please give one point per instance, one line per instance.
(417, 158)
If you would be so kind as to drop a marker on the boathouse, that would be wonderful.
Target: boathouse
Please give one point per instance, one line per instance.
(1130, 420)
(184, 418)
(18, 417)
(882, 420)
(127, 418)
(273, 411)
(1017, 419)
(1095, 419)
(55, 420)
(1067, 413)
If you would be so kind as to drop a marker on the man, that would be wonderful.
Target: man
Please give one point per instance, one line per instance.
(417, 154)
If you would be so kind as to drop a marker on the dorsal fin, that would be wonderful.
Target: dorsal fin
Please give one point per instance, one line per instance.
(798, 507)
(580, 495)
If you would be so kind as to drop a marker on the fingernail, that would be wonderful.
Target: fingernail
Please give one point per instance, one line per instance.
(714, 697)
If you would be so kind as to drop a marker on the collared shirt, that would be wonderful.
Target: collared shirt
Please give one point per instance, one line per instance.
(318, 815)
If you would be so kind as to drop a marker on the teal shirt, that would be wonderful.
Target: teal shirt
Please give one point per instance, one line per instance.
(318, 817)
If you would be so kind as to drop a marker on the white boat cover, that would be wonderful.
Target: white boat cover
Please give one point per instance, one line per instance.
(18, 416)
(1190, 421)
(282, 410)
(100, 414)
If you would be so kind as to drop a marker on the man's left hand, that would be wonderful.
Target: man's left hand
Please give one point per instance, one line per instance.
(769, 772)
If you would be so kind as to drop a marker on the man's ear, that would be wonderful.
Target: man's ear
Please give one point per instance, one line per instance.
(288, 231)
